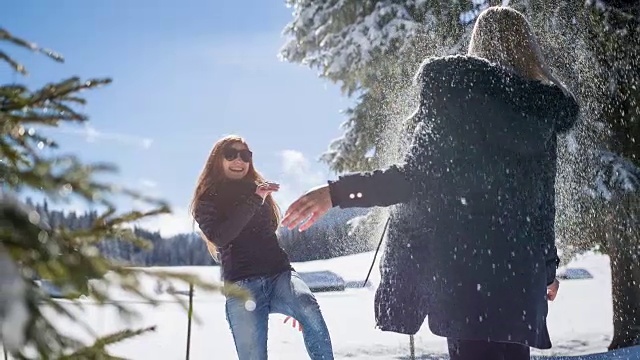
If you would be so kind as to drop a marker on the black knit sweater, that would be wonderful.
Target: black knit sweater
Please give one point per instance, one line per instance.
(235, 219)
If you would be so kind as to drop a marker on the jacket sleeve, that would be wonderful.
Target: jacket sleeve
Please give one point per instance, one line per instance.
(376, 188)
(396, 184)
(222, 229)
(401, 182)
(552, 261)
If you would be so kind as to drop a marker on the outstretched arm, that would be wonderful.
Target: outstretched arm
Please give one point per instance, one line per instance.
(376, 188)
(400, 182)
(395, 184)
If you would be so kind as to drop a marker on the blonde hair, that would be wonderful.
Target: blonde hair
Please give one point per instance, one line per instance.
(212, 175)
(503, 35)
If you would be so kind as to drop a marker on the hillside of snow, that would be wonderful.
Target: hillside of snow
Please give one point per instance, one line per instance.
(579, 320)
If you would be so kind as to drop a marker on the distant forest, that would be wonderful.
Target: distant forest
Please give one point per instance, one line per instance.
(327, 239)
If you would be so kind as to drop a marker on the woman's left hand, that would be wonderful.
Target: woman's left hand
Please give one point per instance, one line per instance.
(293, 323)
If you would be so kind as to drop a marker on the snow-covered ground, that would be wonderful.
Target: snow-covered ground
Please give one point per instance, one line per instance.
(579, 321)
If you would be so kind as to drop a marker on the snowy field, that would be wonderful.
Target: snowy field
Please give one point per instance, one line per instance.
(579, 321)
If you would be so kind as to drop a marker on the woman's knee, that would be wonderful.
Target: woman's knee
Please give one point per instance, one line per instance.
(308, 310)
(306, 299)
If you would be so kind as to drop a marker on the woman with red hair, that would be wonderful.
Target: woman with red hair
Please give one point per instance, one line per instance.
(238, 219)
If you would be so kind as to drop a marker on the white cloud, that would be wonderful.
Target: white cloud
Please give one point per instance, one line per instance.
(149, 184)
(298, 176)
(91, 134)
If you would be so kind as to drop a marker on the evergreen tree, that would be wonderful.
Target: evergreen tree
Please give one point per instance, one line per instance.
(615, 39)
(371, 48)
(598, 185)
(32, 248)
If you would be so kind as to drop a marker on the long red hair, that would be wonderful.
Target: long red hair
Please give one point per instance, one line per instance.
(212, 175)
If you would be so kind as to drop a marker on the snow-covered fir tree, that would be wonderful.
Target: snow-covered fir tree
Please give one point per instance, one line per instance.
(372, 48)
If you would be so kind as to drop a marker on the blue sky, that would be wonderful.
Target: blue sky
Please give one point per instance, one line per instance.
(184, 74)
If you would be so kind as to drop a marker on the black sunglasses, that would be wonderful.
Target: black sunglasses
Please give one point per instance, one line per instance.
(231, 154)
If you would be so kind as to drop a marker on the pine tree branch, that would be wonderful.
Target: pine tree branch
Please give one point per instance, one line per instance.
(66, 258)
(6, 36)
(14, 64)
(98, 351)
(630, 13)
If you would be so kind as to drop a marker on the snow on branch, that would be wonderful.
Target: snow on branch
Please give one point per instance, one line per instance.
(628, 11)
(615, 175)
(354, 223)
(323, 38)
(470, 16)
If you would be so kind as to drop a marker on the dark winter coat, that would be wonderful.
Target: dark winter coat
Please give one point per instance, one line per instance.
(471, 241)
(243, 229)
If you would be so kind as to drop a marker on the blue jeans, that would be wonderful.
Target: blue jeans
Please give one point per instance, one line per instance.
(284, 293)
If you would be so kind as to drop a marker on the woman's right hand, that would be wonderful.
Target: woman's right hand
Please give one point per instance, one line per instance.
(266, 188)
(310, 207)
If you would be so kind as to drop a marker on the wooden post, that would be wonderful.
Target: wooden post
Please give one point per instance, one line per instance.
(189, 315)
(412, 348)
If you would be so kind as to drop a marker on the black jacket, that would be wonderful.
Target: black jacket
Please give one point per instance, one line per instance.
(474, 224)
(235, 219)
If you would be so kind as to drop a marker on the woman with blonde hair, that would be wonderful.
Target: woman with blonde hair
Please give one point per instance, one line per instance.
(471, 243)
(238, 219)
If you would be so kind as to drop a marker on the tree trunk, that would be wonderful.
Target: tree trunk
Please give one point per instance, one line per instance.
(614, 39)
(625, 286)
(623, 250)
